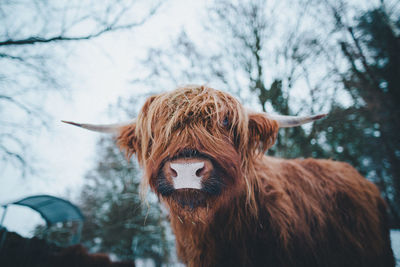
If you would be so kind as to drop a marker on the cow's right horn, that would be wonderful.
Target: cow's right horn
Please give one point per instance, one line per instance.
(103, 128)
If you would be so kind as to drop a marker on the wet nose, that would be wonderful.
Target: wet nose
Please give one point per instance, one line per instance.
(187, 174)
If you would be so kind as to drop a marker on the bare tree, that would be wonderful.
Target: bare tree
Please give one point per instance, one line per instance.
(269, 61)
(32, 37)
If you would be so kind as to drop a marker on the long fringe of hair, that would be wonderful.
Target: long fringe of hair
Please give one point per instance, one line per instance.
(214, 115)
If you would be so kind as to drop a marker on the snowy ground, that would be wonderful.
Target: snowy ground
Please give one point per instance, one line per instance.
(395, 236)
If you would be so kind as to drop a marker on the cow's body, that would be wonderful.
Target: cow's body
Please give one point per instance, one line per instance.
(311, 213)
(203, 155)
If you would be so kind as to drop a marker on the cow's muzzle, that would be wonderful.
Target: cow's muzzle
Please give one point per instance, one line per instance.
(188, 173)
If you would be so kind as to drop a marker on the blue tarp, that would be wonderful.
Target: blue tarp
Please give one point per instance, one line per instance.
(52, 209)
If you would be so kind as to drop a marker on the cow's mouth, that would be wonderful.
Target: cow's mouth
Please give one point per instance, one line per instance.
(190, 198)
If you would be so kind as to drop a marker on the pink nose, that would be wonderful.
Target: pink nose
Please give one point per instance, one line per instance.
(187, 173)
(184, 169)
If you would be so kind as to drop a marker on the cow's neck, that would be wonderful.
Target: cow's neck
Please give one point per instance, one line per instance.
(225, 230)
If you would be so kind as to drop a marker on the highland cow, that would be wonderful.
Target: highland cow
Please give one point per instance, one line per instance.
(230, 205)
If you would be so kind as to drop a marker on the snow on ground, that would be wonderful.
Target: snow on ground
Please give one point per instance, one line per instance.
(395, 237)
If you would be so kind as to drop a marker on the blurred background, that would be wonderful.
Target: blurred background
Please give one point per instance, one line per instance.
(97, 61)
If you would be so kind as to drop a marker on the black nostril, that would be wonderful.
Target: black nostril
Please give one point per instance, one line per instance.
(199, 171)
(173, 172)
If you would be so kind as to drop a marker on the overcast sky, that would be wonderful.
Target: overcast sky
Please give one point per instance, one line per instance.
(100, 71)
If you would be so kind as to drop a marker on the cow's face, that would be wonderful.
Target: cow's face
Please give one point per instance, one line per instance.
(194, 144)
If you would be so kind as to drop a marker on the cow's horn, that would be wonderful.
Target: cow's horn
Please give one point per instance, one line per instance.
(292, 121)
(103, 128)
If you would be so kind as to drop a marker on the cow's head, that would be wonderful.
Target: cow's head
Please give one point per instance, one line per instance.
(196, 145)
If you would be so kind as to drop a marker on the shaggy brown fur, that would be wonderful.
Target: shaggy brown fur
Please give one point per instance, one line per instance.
(264, 211)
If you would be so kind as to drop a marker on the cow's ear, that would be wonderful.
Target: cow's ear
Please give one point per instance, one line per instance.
(127, 140)
(262, 131)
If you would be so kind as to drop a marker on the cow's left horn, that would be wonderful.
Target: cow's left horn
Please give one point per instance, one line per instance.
(292, 121)
(103, 128)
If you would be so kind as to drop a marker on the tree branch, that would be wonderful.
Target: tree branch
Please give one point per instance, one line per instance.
(38, 39)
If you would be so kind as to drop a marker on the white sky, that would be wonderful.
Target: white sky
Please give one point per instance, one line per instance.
(101, 72)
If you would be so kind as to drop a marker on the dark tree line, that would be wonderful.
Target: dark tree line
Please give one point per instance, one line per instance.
(369, 128)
